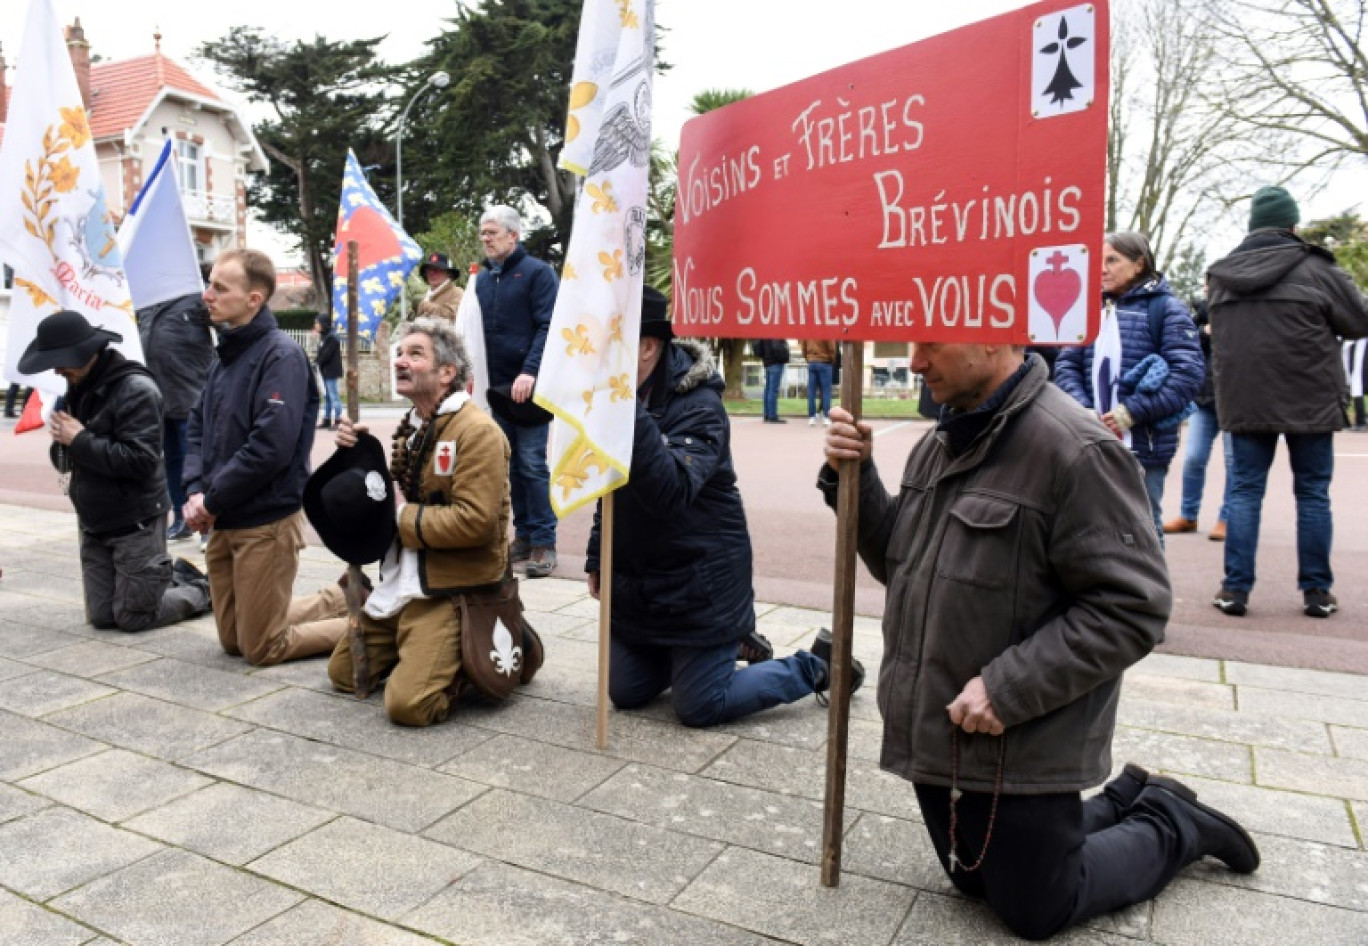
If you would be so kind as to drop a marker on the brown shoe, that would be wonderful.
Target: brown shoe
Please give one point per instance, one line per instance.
(1179, 525)
(519, 551)
(1218, 534)
(542, 561)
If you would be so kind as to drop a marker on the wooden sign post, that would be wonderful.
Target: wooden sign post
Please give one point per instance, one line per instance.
(356, 639)
(950, 191)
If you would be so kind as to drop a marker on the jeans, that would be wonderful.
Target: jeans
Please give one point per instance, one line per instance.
(1154, 488)
(819, 377)
(706, 687)
(332, 401)
(1312, 458)
(773, 375)
(530, 483)
(1202, 432)
(173, 454)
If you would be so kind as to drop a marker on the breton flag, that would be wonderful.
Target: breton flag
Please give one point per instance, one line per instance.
(470, 323)
(155, 240)
(385, 253)
(588, 372)
(56, 232)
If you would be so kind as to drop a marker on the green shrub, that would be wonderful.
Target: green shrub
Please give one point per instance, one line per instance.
(296, 318)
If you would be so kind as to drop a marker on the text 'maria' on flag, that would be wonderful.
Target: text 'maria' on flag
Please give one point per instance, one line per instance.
(385, 253)
(588, 372)
(155, 240)
(56, 231)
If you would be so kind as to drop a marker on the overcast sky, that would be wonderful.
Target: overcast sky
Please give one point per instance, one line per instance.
(713, 44)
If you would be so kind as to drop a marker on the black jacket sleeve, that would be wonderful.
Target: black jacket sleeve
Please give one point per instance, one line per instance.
(133, 448)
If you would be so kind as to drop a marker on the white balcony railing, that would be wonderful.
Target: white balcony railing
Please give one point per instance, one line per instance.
(203, 207)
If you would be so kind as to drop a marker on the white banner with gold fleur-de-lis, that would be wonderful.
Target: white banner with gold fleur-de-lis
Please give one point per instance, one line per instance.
(56, 230)
(588, 372)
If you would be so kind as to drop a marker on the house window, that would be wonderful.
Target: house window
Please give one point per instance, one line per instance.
(191, 166)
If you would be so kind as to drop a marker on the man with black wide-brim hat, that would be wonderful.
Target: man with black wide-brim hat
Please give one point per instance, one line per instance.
(448, 546)
(443, 297)
(107, 434)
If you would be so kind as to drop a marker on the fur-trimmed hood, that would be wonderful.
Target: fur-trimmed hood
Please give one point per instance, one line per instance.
(687, 364)
(682, 570)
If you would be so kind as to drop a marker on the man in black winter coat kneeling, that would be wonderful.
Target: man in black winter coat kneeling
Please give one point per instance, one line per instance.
(107, 436)
(682, 596)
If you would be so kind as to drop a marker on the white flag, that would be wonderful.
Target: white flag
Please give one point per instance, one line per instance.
(55, 229)
(155, 240)
(588, 372)
(470, 323)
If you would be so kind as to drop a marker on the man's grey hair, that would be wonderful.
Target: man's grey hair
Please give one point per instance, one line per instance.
(504, 216)
(447, 346)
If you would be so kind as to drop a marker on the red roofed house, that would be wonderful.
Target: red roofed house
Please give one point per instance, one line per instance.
(133, 106)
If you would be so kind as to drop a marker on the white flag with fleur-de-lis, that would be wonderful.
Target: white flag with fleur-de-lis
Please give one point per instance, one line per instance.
(588, 372)
(56, 231)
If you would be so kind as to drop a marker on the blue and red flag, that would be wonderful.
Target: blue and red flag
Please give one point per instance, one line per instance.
(385, 253)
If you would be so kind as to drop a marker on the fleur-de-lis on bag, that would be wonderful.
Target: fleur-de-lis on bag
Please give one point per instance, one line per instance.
(615, 328)
(507, 658)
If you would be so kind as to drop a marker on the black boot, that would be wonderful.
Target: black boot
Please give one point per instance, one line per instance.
(1202, 830)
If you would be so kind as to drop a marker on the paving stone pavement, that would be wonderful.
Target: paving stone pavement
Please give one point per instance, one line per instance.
(154, 791)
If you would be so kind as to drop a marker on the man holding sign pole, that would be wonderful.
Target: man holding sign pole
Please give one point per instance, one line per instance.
(1024, 575)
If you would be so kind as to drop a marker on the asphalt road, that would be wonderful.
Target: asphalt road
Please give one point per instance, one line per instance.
(793, 534)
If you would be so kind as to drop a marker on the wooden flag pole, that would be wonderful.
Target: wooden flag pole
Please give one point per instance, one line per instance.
(842, 624)
(605, 618)
(356, 640)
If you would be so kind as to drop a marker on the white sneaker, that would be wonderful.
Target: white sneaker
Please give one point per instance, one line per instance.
(826, 421)
(812, 421)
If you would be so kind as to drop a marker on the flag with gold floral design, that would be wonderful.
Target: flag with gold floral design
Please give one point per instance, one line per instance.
(588, 372)
(56, 231)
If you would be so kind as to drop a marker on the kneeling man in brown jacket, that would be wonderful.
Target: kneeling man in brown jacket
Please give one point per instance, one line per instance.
(1024, 576)
(450, 464)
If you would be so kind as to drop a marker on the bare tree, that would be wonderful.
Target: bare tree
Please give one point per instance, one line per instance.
(1297, 67)
(1175, 151)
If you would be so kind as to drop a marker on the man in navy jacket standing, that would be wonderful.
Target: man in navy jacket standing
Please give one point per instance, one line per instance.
(517, 294)
(250, 437)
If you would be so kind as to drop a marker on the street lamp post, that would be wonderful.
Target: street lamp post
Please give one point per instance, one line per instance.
(438, 80)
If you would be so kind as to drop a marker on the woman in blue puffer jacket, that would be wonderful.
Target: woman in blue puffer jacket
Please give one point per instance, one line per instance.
(1145, 366)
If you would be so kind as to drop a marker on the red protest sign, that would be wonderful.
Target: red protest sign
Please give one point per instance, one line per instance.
(951, 190)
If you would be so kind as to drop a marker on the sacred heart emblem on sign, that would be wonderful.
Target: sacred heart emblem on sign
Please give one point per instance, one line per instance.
(1058, 295)
(1063, 53)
